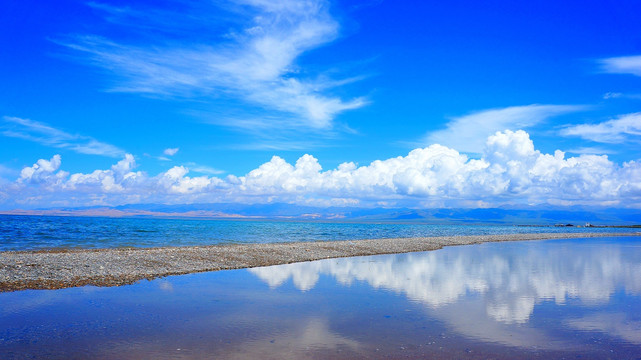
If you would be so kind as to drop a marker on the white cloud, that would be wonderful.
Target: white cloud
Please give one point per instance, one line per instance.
(510, 172)
(613, 131)
(468, 133)
(622, 65)
(612, 95)
(46, 135)
(120, 178)
(618, 95)
(43, 171)
(255, 64)
(175, 181)
(171, 151)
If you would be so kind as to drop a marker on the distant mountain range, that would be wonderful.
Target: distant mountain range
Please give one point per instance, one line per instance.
(282, 211)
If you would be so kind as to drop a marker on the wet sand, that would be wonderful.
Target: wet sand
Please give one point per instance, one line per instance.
(57, 269)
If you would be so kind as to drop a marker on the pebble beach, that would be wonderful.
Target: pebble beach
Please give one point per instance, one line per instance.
(56, 269)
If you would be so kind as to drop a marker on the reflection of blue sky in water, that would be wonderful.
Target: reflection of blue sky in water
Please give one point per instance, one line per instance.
(490, 291)
(503, 300)
(192, 316)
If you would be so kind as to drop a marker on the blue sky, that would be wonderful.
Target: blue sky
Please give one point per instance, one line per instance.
(318, 102)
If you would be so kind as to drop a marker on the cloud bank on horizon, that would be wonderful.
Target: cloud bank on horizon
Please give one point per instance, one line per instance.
(510, 172)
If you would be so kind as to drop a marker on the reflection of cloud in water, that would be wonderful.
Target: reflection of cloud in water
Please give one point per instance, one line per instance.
(309, 336)
(617, 324)
(304, 275)
(165, 285)
(314, 335)
(469, 319)
(512, 278)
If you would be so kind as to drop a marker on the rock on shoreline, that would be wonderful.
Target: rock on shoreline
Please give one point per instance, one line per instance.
(56, 269)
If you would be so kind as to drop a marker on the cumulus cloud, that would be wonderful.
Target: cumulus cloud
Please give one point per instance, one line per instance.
(43, 171)
(612, 131)
(120, 178)
(468, 133)
(510, 172)
(255, 62)
(46, 135)
(175, 181)
(622, 65)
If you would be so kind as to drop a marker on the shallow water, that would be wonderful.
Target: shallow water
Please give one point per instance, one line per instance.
(578, 298)
(43, 232)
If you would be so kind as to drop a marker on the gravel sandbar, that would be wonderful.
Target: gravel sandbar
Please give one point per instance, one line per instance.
(55, 269)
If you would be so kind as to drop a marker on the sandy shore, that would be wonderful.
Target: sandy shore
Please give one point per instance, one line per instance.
(112, 267)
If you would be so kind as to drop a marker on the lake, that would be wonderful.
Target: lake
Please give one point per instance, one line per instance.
(578, 298)
(18, 232)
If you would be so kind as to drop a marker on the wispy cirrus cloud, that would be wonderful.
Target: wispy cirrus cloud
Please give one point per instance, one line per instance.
(255, 62)
(204, 169)
(612, 95)
(622, 65)
(591, 150)
(624, 128)
(468, 133)
(7, 171)
(618, 95)
(44, 134)
(166, 154)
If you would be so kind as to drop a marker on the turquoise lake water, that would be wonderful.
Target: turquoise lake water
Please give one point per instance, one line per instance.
(42, 232)
(571, 299)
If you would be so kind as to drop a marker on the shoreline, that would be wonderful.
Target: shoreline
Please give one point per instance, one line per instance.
(57, 269)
